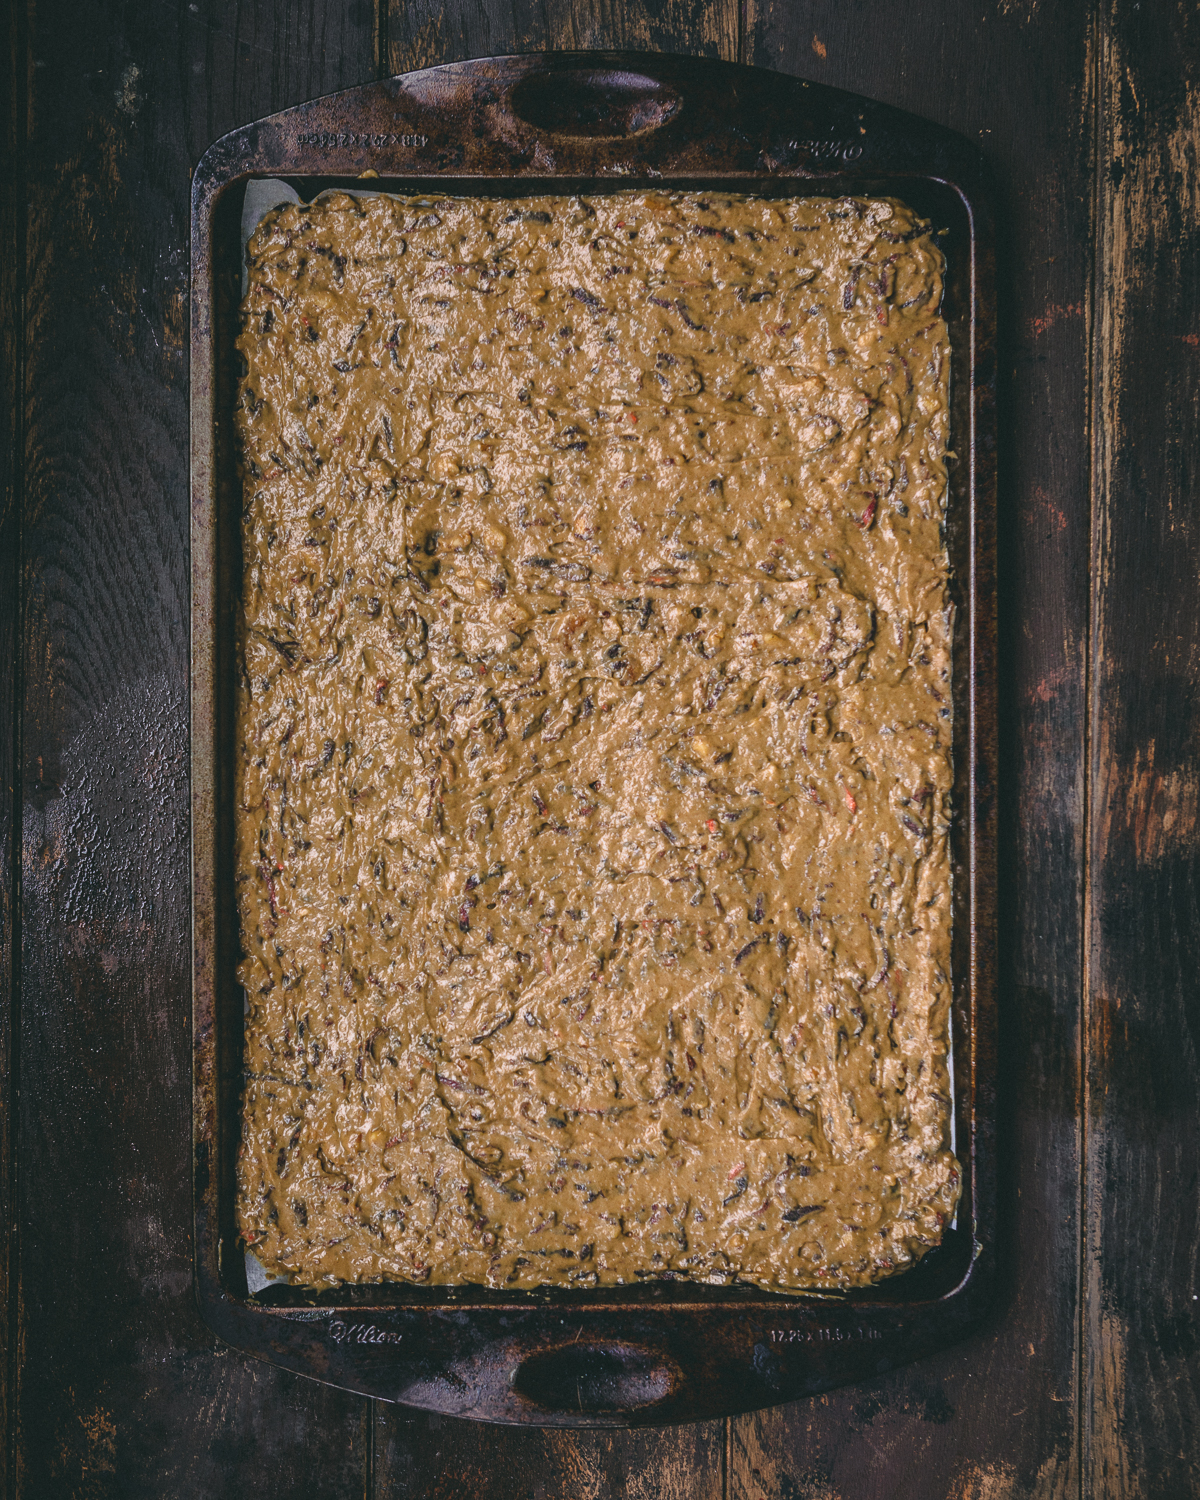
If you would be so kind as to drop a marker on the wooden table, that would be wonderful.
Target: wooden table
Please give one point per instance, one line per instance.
(1086, 1381)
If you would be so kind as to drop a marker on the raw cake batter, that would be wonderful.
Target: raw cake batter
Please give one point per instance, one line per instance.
(595, 740)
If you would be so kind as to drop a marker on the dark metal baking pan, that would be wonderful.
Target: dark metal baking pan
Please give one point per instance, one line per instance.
(662, 1351)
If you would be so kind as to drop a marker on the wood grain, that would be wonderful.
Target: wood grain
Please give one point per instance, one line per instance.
(122, 1391)
(426, 32)
(1142, 1316)
(12, 133)
(430, 1458)
(998, 1415)
(493, 1462)
(119, 1390)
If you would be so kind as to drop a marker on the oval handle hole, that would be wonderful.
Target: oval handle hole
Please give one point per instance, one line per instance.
(593, 1378)
(593, 102)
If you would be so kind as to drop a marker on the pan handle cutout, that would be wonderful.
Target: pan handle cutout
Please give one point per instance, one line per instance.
(595, 103)
(594, 1378)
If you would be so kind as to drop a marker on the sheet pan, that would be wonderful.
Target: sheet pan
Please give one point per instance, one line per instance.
(661, 1352)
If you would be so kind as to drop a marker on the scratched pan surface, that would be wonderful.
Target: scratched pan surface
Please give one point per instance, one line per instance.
(667, 1351)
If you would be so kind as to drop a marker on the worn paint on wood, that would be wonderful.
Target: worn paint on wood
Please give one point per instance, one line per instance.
(1142, 1313)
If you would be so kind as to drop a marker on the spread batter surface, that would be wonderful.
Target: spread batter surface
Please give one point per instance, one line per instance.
(594, 738)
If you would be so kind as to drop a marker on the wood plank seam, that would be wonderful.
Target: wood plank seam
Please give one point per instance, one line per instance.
(13, 1247)
(17, 133)
(1093, 296)
(382, 68)
(727, 1434)
(369, 1467)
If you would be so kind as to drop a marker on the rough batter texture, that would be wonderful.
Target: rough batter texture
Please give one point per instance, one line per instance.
(595, 741)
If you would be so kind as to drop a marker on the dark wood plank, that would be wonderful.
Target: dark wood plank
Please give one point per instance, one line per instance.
(425, 32)
(998, 1415)
(1142, 1313)
(12, 196)
(439, 1459)
(417, 1455)
(122, 1390)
